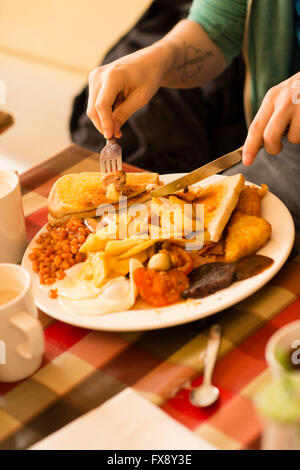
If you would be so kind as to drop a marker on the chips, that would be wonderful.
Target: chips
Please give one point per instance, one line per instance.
(138, 248)
(118, 247)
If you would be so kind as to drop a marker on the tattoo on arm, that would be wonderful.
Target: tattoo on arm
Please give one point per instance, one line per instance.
(193, 61)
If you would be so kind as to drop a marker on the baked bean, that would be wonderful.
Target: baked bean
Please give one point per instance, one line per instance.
(44, 271)
(78, 257)
(53, 294)
(57, 250)
(60, 274)
(35, 266)
(65, 265)
(57, 261)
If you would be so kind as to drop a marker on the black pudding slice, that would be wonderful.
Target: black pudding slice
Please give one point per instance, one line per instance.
(209, 278)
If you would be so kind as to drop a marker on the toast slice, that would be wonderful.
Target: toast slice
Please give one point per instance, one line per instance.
(219, 200)
(80, 194)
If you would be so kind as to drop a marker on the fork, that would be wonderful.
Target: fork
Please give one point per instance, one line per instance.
(111, 157)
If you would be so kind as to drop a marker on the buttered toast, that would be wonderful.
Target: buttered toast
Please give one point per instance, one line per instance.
(219, 200)
(80, 194)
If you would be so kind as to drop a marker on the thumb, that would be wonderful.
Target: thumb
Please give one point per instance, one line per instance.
(135, 101)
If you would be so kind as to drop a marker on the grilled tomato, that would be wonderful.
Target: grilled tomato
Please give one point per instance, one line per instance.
(160, 288)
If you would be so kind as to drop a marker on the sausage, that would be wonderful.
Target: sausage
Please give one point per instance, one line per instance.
(118, 178)
(209, 278)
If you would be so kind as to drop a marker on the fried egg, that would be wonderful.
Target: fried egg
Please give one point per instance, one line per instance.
(73, 287)
(83, 298)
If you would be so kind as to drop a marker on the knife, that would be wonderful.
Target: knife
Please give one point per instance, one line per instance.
(199, 174)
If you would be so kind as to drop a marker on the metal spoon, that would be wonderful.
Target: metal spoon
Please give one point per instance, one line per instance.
(207, 394)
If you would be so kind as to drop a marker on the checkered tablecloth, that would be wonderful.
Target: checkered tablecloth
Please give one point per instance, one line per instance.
(82, 369)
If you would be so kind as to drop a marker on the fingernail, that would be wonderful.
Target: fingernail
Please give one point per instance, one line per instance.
(107, 134)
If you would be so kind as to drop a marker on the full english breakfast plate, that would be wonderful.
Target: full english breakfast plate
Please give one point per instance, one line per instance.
(85, 274)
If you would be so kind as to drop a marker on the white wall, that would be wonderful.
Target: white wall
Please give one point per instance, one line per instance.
(47, 48)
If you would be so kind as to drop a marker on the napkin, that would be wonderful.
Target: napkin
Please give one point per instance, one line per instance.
(125, 422)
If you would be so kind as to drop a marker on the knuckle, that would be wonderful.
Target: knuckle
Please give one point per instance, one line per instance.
(144, 97)
(92, 117)
(255, 125)
(284, 107)
(108, 73)
(269, 137)
(122, 115)
(100, 104)
(116, 67)
(95, 73)
(286, 99)
(90, 111)
(271, 93)
(112, 71)
(271, 144)
(92, 75)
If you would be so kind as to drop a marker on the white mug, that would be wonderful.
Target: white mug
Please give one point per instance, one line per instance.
(282, 340)
(12, 222)
(21, 333)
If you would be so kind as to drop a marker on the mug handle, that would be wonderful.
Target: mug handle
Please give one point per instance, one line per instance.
(33, 331)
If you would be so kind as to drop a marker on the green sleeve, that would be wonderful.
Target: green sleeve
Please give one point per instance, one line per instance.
(224, 22)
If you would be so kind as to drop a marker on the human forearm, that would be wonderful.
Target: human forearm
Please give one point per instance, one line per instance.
(193, 59)
(184, 58)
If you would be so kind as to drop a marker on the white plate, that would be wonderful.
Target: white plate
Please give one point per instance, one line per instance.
(144, 317)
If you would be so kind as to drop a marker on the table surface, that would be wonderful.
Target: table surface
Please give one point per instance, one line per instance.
(6, 120)
(82, 368)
